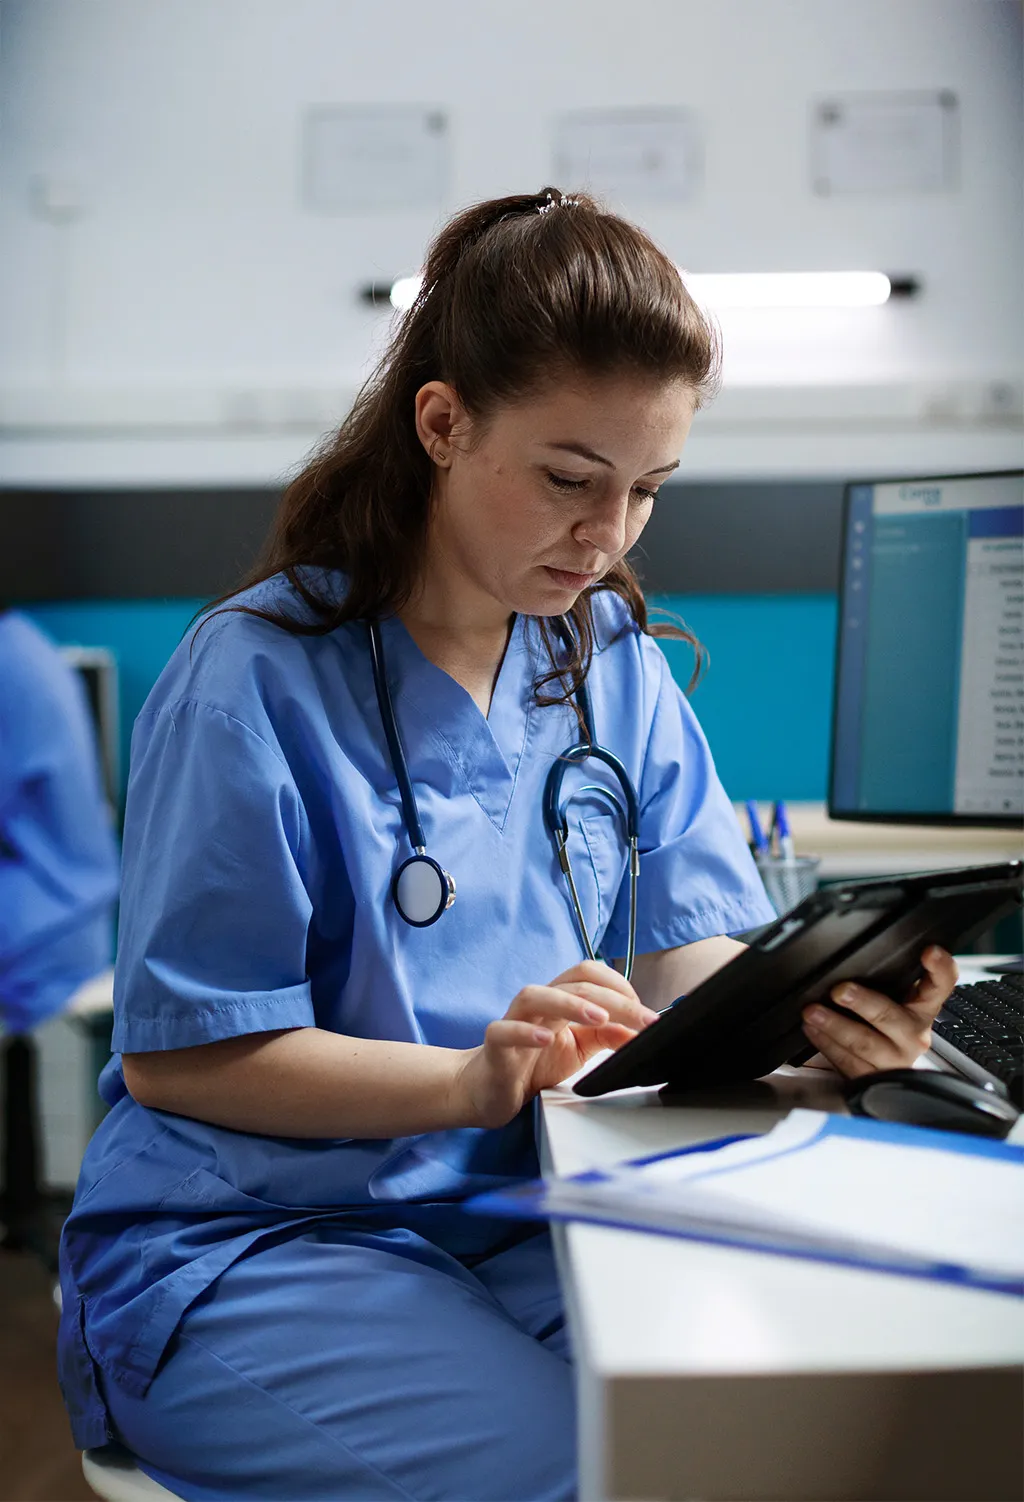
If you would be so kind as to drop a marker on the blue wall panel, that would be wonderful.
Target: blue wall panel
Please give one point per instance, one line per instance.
(765, 701)
(142, 634)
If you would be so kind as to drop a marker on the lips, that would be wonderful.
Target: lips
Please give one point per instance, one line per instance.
(567, 579)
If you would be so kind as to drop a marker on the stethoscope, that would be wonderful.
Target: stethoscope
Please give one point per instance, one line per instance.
(422, 889)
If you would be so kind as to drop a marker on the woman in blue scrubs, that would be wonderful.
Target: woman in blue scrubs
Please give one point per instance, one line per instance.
(270, 1287)
(58, 886)
(58, 855)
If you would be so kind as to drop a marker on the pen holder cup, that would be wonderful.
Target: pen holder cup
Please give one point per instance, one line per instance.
(789, 882)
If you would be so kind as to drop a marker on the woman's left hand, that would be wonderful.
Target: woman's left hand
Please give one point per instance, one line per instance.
(874, 1032)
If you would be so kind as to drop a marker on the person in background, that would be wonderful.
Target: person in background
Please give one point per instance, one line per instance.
(271, 1286)
(58, 878)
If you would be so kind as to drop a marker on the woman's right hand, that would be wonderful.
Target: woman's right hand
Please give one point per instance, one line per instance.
(547, 1034)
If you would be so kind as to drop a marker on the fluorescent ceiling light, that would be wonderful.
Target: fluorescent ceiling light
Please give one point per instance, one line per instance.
(789, 289)
(747, 289)
(405, 291)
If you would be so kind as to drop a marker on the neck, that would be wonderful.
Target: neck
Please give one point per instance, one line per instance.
(462, 632)
(449, 608)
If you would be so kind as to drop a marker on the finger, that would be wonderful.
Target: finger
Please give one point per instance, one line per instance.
(597, 972)
(505, 1033)
(842, 1038)
(613, 1035)
(554, 1006)
(627, 1009)
(907, 1029)
(584, 1003)
(934, 987)
(840, 1056)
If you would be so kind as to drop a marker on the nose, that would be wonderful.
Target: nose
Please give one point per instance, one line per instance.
(604, 525)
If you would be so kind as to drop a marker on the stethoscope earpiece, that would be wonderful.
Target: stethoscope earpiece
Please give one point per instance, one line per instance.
(422, 890)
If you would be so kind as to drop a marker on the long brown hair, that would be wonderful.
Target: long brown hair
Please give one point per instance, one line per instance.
(513, 290)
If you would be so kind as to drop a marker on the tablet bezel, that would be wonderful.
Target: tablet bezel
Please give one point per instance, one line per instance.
(745, 1020)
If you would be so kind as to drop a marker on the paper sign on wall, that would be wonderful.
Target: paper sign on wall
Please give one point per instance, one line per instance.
(634, 156)
(884, 143)
(367, 157)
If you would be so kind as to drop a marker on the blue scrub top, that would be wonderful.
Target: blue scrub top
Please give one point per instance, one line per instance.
(58, 857)
(263, 829)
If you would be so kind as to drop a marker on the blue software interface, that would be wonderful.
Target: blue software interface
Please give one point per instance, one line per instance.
(929, 715)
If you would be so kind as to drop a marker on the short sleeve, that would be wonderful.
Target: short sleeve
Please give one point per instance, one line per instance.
(214, 908)
(697, 878)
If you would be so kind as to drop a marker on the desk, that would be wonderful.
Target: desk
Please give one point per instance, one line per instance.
(708, 1372)
(851, 848)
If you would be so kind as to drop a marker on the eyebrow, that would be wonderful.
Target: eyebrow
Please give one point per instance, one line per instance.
(584, 452)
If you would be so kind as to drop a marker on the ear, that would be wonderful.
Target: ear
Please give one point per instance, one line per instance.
(438, 413)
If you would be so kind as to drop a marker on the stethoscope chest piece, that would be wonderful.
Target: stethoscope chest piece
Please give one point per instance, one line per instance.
(422, 890)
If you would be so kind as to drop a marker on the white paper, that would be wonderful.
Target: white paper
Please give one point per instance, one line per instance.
(845, 1195)
(884, 143)
(362, 158)
(634, 156)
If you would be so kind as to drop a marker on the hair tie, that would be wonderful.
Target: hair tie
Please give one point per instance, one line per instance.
(558, 203)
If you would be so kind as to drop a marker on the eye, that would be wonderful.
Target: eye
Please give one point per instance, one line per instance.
(643, 494)
(563, 483)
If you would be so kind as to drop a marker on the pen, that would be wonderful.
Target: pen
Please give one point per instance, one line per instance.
(780, 825)
(758, 838)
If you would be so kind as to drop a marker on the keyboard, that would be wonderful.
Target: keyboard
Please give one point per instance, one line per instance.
(980, 1033)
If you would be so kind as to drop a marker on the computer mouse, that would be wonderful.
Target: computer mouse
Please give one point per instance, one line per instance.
(931, 1098)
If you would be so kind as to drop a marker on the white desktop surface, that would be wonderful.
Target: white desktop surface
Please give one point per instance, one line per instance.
(653, 1304)
(724, 1358)
(850, 848)
(94, 998)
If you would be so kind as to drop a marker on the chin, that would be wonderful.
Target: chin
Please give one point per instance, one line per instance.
(546, 601)
(537, 593)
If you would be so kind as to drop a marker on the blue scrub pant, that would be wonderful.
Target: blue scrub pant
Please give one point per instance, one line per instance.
(336, 1365)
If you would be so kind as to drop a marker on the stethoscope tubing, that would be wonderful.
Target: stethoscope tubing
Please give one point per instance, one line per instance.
(557, 825)
(554, 810)
(396, 750)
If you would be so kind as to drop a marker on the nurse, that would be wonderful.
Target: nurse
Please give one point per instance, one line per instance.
(58, 854)
(58, 888)
(270, 1287)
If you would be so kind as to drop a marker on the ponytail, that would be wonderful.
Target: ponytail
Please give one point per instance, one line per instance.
(513, 289)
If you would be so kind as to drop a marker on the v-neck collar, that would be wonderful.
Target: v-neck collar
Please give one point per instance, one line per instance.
(486, 749)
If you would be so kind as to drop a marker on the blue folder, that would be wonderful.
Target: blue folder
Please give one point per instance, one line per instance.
(544, 1199)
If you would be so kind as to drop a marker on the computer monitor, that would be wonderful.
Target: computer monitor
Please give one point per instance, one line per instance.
(97, 669)
(928, 722)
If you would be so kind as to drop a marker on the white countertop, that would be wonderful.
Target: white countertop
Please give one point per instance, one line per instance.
(852, 848)
(648, 1304)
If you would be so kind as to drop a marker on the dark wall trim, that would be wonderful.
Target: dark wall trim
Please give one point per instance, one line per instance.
(162, 543)
(743, 539)
(128, 544)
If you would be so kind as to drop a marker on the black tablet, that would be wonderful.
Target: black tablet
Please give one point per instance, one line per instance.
(745, 1020)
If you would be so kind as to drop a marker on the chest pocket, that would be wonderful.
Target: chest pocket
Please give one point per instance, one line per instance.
(597, 849)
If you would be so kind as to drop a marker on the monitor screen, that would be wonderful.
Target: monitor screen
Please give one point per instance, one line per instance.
(97, 671)
(928, 722)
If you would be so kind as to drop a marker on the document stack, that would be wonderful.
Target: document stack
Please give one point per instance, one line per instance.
(897, 1198)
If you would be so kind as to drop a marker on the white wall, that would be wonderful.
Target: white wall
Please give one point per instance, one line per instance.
(194, 290)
